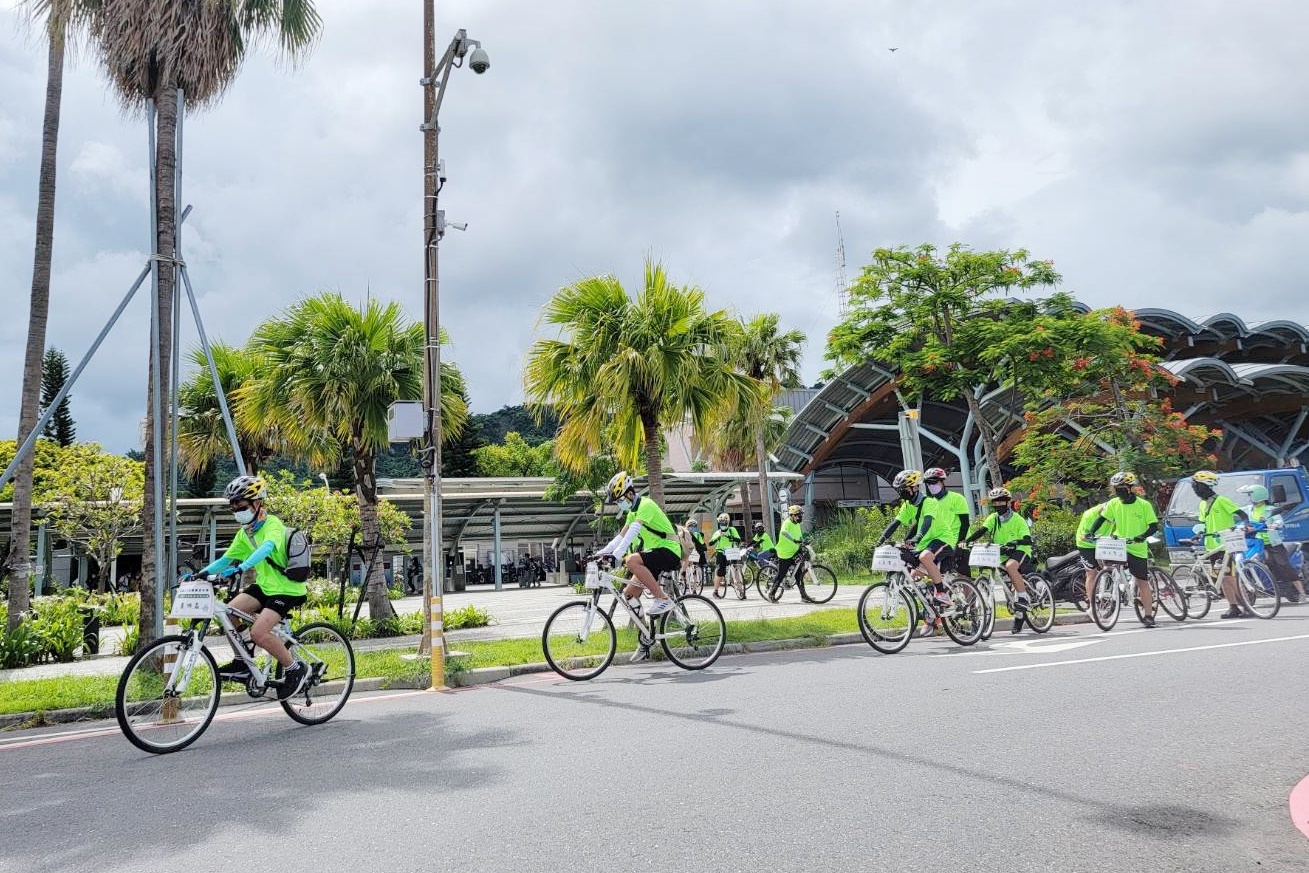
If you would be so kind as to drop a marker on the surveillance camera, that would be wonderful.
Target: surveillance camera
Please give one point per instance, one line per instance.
(479, 61)
(458, 225)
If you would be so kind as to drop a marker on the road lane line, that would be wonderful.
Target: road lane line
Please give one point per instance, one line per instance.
(1141, 654)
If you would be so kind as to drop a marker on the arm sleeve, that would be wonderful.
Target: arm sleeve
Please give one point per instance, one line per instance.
(265, 549)
(963, 523)
(621, 543)
(924, 525)
(1151, 530)
(890, 529)
(609, 546)
(219, 563)
(975, 532)
(1099, 521)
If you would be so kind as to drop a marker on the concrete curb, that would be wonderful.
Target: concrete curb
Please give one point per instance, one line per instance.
(469, 678)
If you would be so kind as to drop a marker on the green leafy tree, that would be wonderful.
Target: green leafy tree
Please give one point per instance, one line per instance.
(63, 21)
(1116, 416)
(202, 436)
(631, 369)
(929, 315)
(458, 456)
(514, 457)
(328, 516)
(770, 357)
(149, 51)
(93, 499)
(331, 373)
(54, 375)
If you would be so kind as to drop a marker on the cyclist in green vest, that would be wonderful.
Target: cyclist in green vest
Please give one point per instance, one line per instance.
(697, 540)
(942, 524)
(1132, 518)
(908, 485)
(1259, 510)
(1086, 545)
(1218, 513)
(1011, 532)
(260, 544)
(789, 540)
(657, 549)
(762, 543)
(725, 536)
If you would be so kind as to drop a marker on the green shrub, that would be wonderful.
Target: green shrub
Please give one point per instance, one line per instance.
(1055, 533)
(57, 622)
(847, 541)
(468, 616)
(131, 638)
(20, 647)
(116, 609)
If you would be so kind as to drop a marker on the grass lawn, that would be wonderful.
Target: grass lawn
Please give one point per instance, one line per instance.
(67, 692)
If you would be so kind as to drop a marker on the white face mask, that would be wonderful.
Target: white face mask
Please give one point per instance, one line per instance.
(245, 516)
(935, 488)
(625, 505)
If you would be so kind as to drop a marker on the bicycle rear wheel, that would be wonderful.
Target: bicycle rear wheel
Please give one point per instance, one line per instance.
(1257, 590)
(964, 619)
(737, 580)
(764, 583)
(693, 633)
(168, 694)
(986, 588)
(1104, 600)
(818, 585)
(1195, 593)
(886, 617)
(1040, 614)
(694, 580)
(1169, 594)
(331, 663)
(579, 640)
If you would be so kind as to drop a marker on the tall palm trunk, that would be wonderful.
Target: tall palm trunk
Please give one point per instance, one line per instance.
(17, 567)
(379, 604)
(747, 513)
(165, 164)
(765, 498)
(654, 459)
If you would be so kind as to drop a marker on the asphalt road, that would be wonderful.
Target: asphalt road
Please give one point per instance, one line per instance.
(1170, 749)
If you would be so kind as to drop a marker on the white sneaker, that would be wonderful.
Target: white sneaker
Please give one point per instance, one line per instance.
(659, 606)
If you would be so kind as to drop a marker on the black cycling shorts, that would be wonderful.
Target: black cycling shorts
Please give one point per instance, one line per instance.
(1088, 557)
(282, 604)
(661, 561)
(942, 553)
(1139, 567)
(1025, 563)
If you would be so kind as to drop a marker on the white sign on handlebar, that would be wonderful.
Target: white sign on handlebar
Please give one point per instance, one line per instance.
(985, 556)
(886, 559)
(1233, 541)
(1111, 550)
(193, 599)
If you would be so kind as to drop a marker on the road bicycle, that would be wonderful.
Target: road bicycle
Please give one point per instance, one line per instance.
(891, 608)
(1256, 590)
(1115, 586)
(754, 566)
(169, 692)
(696, 577)
(989, 577)
(735, 578)
(817, 582)
(580, 640)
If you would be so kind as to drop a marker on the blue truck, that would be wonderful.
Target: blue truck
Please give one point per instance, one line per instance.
(1288, 490)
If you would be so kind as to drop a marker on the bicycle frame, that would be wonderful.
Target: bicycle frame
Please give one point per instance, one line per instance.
(223, 615)
(614, 584)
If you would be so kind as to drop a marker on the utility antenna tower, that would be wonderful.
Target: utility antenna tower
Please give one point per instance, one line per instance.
(842, 283)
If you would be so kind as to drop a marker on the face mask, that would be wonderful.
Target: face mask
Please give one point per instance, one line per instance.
(1125, 494)
(1003, 511)
(935, 488)
(244, 516)
(722, 525)
(1202, 491)
(625, 505)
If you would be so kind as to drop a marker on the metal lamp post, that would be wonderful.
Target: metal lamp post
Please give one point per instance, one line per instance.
(436, 75)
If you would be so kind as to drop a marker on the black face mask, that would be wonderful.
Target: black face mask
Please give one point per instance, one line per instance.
(1002, 509)
(1204, 492)
(1127, 495)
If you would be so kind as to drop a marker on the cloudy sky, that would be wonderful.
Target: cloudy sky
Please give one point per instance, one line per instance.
(1158, 152)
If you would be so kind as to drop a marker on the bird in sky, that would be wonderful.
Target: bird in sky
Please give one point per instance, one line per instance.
(891, 50)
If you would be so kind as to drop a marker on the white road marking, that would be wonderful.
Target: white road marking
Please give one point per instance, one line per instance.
(1142, 654)
(1034, 646)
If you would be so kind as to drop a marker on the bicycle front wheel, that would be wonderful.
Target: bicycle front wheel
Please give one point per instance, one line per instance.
(764, 583)
(579, 640)
(1257, 590)
(1104, 601)
(818, 585)
(737, 580)
(886, 617)
(964, 619)
(986, 588)
(1169, 594)
(168, 694)
(1193, 591)
(693, 633)
(1040, 614)
(694, 580)
(331, 662)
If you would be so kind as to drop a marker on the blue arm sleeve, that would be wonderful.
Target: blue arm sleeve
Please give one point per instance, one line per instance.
(265, 549)
(217, 565)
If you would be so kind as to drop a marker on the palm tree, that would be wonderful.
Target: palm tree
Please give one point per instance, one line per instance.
(772, 359)
(62, 21)
(151, 50)
(201, 432)
(330, 374)
(634, 368)
(734, 445)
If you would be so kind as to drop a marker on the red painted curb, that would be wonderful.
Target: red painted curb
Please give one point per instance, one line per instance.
(1300, 806)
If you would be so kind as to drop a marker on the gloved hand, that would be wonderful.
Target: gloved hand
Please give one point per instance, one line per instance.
(1137, 540)
(187, 576)
(229, 571)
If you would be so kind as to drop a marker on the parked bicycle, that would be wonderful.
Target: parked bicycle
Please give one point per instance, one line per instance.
(1115, 587)
(170, 690)
(891, 608)
(817, 582)
(580, 640)
(1236, 556)
(989, 577)
(735, 578)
